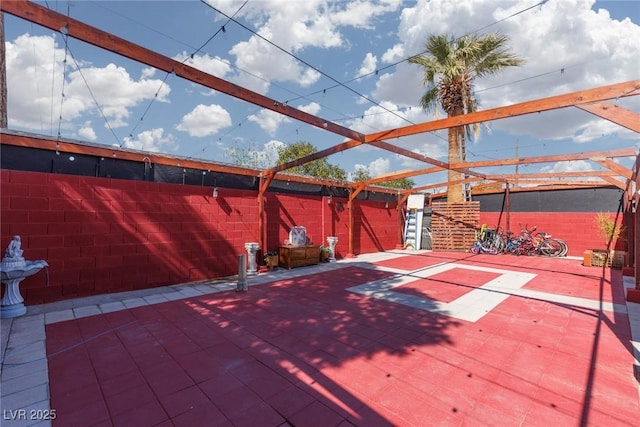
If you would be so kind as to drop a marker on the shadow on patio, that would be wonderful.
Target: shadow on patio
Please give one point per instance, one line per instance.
(303, 351)
(290, 351)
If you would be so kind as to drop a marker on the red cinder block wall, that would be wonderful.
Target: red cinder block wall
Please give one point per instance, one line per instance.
(578, 229)
(375, 225)
(102, 235)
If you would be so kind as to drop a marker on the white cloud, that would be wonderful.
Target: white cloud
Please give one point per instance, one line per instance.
(34, 82)
(361, 14)
(114, 90)
(152, 140)
(311, 108)
(257, 158)
(379, 166)
(215, 65)
(268, 120)
(87, 132)
(344, 39)
(593, 130)
(34, 73)
(393, 54)
(386, 116)
(205, 120)
(432, 144)
(263, 60)
(591, 48)
(310, 24)
(571, 166)
(148, 73)
(269, 155)
(368, 65)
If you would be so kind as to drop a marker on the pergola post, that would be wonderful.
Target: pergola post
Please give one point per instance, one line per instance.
(352, 195)
(402, 199)
(636, 224)
(350, 253)
(263, 184)
(507, 207)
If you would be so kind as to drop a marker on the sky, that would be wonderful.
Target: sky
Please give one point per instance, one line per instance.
(343, 61)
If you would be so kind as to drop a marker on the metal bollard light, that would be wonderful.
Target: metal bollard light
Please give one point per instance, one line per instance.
(242, 274)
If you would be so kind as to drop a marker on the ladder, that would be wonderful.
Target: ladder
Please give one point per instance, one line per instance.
(467, 190)
(410, 230)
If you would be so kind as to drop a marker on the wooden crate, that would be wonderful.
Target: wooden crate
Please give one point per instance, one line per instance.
(453, 225)
(603, 258)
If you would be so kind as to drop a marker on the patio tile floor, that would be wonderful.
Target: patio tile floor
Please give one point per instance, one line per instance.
(397, 338)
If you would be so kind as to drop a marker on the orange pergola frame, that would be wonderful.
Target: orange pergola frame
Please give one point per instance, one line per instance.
(594, 101)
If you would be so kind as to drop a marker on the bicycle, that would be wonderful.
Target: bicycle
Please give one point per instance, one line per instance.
(487, 241)
(543, 243)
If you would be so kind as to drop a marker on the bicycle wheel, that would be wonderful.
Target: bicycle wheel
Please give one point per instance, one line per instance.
(565, 247)
(488, 247)
(500, 244)
(551, 247)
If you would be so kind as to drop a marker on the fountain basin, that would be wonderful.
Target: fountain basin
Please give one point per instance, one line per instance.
(12, 272)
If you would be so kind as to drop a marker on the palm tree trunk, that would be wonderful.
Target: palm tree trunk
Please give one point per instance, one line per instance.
(455, 138)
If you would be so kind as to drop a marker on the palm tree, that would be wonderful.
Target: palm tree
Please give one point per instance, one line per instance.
(450, 66)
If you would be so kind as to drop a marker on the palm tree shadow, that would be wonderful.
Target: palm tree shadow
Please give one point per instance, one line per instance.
(315, 327)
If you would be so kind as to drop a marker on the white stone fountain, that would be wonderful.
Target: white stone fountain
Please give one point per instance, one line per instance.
(13, 270)
(332, 241)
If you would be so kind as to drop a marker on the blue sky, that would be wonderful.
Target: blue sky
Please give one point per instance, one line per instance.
(569, 45)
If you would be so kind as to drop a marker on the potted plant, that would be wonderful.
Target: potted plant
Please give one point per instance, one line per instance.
(609, 230)
(271, 259)
(325, 251)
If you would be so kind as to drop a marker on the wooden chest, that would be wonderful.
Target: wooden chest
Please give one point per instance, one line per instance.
(298, 256)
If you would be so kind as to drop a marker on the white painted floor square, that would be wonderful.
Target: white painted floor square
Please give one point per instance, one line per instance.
(470, 306)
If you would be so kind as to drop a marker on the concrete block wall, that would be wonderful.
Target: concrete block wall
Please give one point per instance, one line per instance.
(375, 225)
(102, 235)
(578, 229)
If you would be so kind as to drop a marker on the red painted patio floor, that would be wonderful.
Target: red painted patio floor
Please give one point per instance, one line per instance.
(306, 352)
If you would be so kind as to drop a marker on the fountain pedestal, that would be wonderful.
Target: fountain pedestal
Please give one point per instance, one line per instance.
(332, 241)
(252, 249)
(12, 301)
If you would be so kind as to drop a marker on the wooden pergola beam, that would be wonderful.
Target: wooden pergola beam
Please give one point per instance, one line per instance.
(615, 167)
(630, 88)
(573, 174)
(402, 174)
(43, 142)
(454, 182)
(477, 190)
(589, 155)
(615, 114)
(578, 183)
(620, 170)
(422, 158)
(311, 157)
(590, 100)
(621, 185)
(515, 178)
(38, 141)
(580, 98)
(48, 18)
